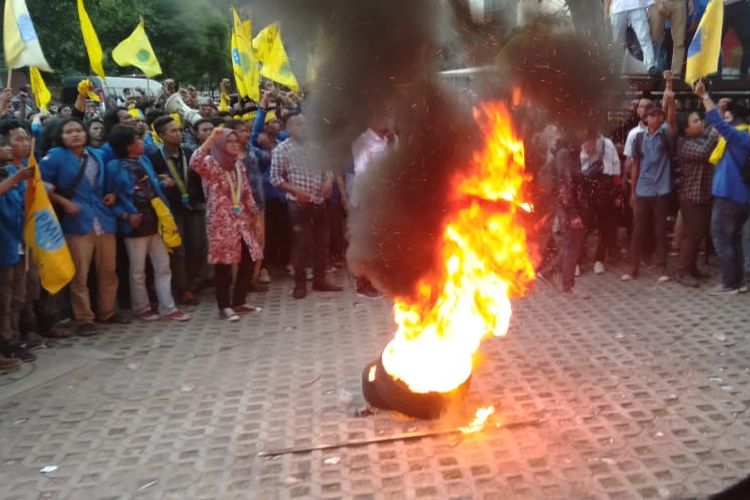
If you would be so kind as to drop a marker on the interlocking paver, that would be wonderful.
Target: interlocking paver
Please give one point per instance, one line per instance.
(641, 392)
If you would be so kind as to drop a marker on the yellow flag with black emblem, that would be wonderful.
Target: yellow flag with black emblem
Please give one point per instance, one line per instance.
(43, 235)
(246, 73)
(270, 51)
(136, 51)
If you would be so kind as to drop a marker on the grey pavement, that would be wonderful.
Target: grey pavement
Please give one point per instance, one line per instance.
(640, 392)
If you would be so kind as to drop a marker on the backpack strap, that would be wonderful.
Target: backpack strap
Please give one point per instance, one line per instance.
(638, 147)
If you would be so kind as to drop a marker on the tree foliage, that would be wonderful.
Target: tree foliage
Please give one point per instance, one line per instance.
(190, 37)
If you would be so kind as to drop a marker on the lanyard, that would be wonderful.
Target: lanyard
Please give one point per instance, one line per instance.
(181, 184)
(235, 191)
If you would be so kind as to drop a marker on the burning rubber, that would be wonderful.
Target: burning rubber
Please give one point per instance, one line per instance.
(484, 262)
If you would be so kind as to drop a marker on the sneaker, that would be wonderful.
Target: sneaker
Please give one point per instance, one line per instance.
(742, 289)
(573, 294)
(578, 271)
(722, 290)
(8, 363)
(148, 314)
(58, 332)
(599, 267)
(300, 292)
(34, 341)
(627, 277)
(117, 319)
(368, 291)
(178, 316)
(87, 329)
(229, 315)
(687, 280)
(663, 278)
(263, 276)
(23, 354)
(325, 286)
(245, 309)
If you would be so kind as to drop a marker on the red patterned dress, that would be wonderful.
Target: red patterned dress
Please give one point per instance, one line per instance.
(225, 228)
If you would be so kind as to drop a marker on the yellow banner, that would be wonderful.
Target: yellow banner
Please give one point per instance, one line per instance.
(43, 235)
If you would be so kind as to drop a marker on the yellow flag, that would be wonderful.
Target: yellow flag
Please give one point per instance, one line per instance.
(246, 72)
(42, 96)
(91, 41)
(703, 52)
(43, 235)
(270, 51)
(136, 51)
(20, 41)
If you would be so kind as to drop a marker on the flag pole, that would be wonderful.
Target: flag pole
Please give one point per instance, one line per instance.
(10, 77)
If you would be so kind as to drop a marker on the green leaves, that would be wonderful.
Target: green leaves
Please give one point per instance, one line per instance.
(190, 38)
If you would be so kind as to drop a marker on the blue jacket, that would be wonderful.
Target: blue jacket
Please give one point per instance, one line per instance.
(122, 184)
(108, 154)
(60, 168)
(11, 221)
(728, 182)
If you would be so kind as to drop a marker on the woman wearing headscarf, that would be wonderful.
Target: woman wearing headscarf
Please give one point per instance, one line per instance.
(230, 219)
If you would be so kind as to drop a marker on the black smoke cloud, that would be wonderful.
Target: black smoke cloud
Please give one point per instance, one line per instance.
(383, 57)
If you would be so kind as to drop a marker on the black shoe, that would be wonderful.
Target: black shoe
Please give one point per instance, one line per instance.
(700, 275)
(23, 354)
(188, 299)
(654, 72)
(368, 291)
(87, 329)
(687, 280)
(300, 292)
(116, 319)
(258, 287)
(325, 286)
(33, 341)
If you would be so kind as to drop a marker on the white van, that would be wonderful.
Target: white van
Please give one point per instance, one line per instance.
(112, 88)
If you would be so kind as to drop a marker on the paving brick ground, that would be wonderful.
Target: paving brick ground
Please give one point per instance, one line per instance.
(640, 392)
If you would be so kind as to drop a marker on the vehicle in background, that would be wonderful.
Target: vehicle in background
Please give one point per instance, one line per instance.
(113, 90)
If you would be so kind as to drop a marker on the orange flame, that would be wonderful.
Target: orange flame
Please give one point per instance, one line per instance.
(485, 262)
(480, 418)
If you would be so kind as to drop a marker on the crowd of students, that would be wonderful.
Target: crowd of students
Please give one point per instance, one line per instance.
(690, 167)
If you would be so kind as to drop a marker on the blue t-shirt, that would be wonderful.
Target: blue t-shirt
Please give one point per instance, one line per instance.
(655, 170)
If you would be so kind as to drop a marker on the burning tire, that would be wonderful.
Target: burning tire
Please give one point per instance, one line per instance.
(383, 391)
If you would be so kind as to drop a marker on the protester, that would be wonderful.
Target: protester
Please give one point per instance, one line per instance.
(624, 13)
(367, 149)
(600, 165)
(652, 184)
(185, 195)
(254, 177)
(77, 173)
(95, 129)
(694, 147)
(307, 186)
(135, 185)
(230, 220)
(12, 257)
(731, 198)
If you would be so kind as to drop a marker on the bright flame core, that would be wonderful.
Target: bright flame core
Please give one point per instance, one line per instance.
(485, 262)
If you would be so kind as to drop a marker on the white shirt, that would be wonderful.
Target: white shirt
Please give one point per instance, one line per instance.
(627, 5)
(630, 141)
(609, 157)
(366, 148)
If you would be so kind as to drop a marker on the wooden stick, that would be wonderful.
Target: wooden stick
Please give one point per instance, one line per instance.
(10, 77)
(408, 436)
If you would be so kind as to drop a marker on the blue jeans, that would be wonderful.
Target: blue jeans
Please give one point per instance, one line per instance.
(746, 246)
(727, 219)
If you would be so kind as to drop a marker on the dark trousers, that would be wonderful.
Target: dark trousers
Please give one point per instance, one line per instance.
(278, 233)
(656, 208)
(337, 224)
(242, 285)
(695, 222)
(12, 300)
(737, 17)
(310, 238)
(605, 220)
(188, 261)
(727, 219)
(570, 245)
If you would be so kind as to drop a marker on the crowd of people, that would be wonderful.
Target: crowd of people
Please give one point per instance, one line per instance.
(664, 28)
(237, 185)
(679, 168)
(242, 193)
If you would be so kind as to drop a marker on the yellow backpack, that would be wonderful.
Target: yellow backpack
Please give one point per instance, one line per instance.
(167, 227)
